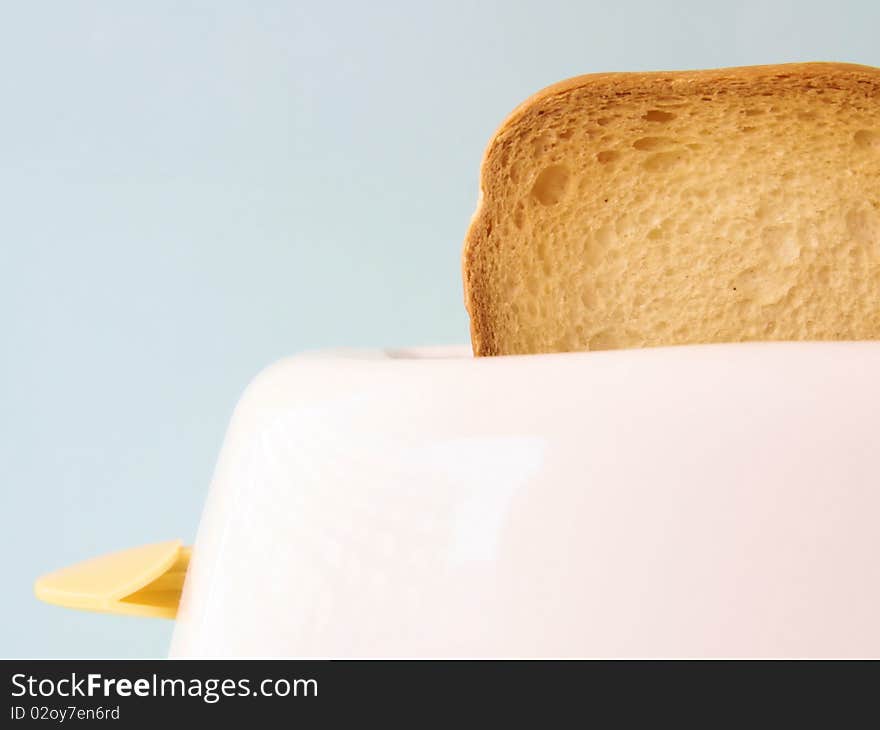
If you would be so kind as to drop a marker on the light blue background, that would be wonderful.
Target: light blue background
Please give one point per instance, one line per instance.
(191, 190)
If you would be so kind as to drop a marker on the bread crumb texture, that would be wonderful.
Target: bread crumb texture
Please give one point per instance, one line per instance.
(636, 210)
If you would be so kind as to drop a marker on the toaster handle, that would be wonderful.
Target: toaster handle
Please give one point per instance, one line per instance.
(141, 581)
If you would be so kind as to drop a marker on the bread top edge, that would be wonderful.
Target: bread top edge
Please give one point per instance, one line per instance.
(673, 81)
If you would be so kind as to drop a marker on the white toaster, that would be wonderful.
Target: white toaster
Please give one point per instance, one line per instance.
(701, 501)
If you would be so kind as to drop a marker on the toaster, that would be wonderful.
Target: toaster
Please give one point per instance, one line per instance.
(695, 501)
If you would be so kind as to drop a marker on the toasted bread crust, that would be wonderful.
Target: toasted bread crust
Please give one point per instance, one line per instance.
(744, 79)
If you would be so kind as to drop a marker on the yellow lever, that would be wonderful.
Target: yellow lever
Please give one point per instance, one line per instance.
(142, 581)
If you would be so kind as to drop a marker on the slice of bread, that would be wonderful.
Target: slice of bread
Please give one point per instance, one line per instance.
(641, 209)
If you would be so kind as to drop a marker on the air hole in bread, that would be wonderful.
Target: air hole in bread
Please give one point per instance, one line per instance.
(652, 143)
(867, 138)
(658, 115)
(550, 185)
